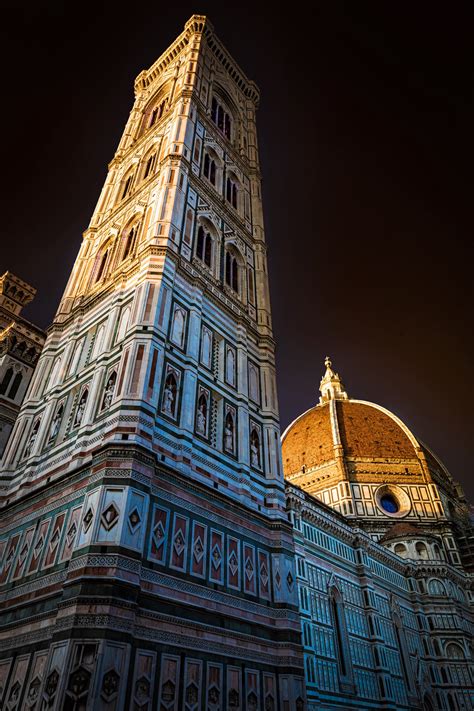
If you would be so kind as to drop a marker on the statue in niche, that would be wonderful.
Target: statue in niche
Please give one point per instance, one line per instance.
(169, 396)
(254, 449)
(230, 365)
(56, 424)
(109, 391)
(80, 410)
(32, 440)
(229, 433)
(201, 417)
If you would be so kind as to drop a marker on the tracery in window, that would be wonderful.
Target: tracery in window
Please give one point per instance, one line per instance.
(221, 118)
(149, 166)
(231, 270)
(127, 186)
(204, 246)
(209, 169)
(102, 261)
(231, 192)
(6, 380)
(129, 241)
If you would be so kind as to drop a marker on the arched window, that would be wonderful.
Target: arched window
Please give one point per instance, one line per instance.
(454, 651)
(436, 587)
(221, 118)
(149, 166)
(75, 358)
(53, 379)
(15, 385)
(102, 263)
(340, 632)
(127, 186)
(231, 271)
(210, 169)
(437, 551)
(109, 391)
(421, 550)
(6, 381)
(130, 237)
(231, 192)
(204, 246)
(188, 227)
(401, 550)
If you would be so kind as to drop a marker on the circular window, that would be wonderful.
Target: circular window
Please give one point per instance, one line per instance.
(389, 503)
(392, 500)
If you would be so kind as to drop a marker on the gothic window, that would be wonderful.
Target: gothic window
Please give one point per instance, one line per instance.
(204, 246)
(251, 287)
(231, 191)
(197, 150)
(231, 271)
(340, 632)
(127, 186)
(210, 169)
(255, 446)
(15, 385)
(188, 226)
(202, 412)
(79, 416)
(170, 392)
(130, 237)
(229, 429)
(109, 391)
(6, 381)
(102, 263)
(98, 341)
(206, 347)
(221, 118)
(149, 166)
(157, 112)
(178, 326)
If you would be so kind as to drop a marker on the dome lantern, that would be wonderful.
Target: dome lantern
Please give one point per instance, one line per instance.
(331, 386)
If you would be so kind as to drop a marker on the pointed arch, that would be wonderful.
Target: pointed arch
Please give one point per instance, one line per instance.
(6, 380)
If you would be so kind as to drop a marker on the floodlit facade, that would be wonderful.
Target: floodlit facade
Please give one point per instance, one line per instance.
(384, 564)
(148, 557)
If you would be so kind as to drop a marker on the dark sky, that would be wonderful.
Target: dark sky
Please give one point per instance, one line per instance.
(365, 134)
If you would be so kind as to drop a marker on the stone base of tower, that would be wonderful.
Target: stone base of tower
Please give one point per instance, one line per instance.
(125, 586)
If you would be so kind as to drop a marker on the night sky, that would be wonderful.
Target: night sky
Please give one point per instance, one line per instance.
(365, 132)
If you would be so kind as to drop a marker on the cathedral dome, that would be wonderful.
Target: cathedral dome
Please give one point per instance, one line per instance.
(353, 440)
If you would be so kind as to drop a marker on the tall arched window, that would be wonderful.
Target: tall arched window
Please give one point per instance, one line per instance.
(102, 263)
(15, 385)
(210, 169)
(127, 186)
(231, 271)
(6, 380)
(130, 238)
(340, 633)
(204, 246)
(221, 118)
(149, 166)
(231, 192)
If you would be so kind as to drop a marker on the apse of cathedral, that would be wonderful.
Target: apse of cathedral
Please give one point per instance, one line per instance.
(153, 556)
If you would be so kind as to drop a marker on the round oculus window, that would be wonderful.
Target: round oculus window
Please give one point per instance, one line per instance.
(389, 503)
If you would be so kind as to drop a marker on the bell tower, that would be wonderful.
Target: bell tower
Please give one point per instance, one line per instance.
(142, 482)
